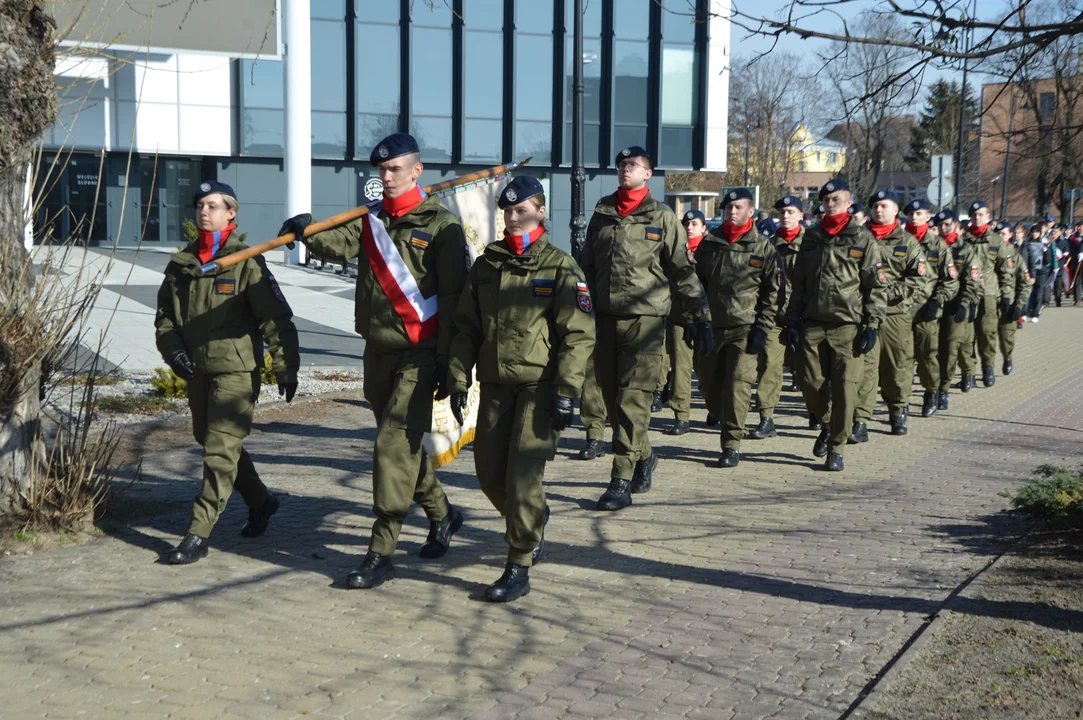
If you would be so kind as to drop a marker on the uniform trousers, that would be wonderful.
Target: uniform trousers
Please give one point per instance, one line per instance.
(771, 361)
(891, 366)
(592, 405)
(956, 343)
(985, 330)
(927, 353)
(830, 374)
(680, 395)
(726, 378)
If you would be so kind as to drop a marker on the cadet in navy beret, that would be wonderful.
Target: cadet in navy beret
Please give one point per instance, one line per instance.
(522, 187)
(857, 207)
(393, 146)
(767, 227)
(789, 201)
(634, 152)
(694, 215)
(210, 187)
(917, 204)
(883, 195)
(946, 214)
(833, 185)
(976, 206)
(737, 194)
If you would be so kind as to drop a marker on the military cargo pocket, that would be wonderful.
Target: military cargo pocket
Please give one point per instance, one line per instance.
(410, 405)
(537, 439)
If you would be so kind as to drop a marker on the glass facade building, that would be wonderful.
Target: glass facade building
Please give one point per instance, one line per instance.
(477, 82)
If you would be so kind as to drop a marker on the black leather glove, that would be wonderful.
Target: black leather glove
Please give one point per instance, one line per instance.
(865, 341)
(973, 312)
(458, 404)
(1005, 306)
(182, 365)
(929, 310)
(1014, 313)
(439, 382)
(562, 412)
(757, 340)
(704, 338)
(296, 225)
(960, 314)
(791, 337)
(690, 335)
(288, 389)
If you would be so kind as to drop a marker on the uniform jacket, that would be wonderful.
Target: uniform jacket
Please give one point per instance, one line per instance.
(837, 279)
(787, 260)
(1034, 252)
(524, 319)
(433, 246)
(907, 271)
(222, 320)
(626, 261)
(998, 267)
(741, 279)
(1021, 284)
(969, 266)
(942, 275)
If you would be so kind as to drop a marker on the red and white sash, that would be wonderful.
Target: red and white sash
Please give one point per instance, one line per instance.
(418, 313)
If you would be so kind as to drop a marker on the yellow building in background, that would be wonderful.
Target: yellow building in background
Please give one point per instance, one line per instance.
(817, 156)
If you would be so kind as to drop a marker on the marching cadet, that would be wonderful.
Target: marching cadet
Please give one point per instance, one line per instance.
(787, 239)
(835, 308)
(526, 321)
(632, 251)
(998, 270)
(1021, 295)
(892, 365)
(738, 267)
(943, 278)
(407, 291)
(680, 397)
(957, 323)
(861, 215)
(210, 329)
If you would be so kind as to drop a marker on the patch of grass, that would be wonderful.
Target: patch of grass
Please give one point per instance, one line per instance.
(140, 404)
(24, 536)
(337, 376)
(168, 384)
(99, 380)
(267, 372)
(1054, 493)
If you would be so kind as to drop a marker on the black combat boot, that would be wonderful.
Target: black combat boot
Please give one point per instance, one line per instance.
(859, 433)
(512, 585)
(988, 377)
(1008, 366)
(617, 497)
(941, 399)
(679, 427)
(258, 518)
(593, 449)
(372, 572)
(834, 463)
(898, 423)
(967, 383)
(644, 471)
(928, 403)
(819, 448)
(729, 458)
(440, 532)
(536, 553)
(766, 429)
(656, 404)
(191, 548)
(814, 422)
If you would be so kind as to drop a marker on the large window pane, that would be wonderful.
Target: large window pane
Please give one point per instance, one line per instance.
(678, 84)
(433, 136)
(261, 83)
(486, 14)
(536, 139)
(371, 129)
(533, 77)
(328, 134)
(628, 135)
(630, 64)
(482, 139)
(592, 17)
(384, 11)
(261, 131)
(678, 23)
(329, 9)
(592, 98)
(430, 72)
(426, 14)
(592, 138)
(677, 146)
(378, 69)
(631, 19)
(483, 75)
(535, 16)
(328, 65)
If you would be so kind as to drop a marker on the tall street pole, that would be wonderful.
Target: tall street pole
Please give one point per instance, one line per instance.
(297, 116)
(578, 222)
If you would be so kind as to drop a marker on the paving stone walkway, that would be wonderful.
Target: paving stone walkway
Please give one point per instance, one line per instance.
(772, 590)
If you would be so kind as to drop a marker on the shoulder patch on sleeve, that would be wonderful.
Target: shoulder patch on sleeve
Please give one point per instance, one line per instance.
(856, 252)
(654, 234)
(756, 261)
(921, 267)
(276, 289)
(582, 297)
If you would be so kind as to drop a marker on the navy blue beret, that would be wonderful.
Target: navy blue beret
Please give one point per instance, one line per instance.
(857, 207)
(767, 226)
(210, 187)
(393, 146)
(834, 185)
(737, 194)
(820, 209)
(519, 189)
(789, 201)
(633, 152)
(884, 195)
(918, 204)
(977, 205)
(1002, 225)
(946, 214)
(694, 215)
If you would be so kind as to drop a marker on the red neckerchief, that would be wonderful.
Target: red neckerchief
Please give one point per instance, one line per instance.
(882, 231)
(732, 232)
(629, 200)
(979, 231)
(396, 207)
(519, 243)
(693, 242)
(210, 242)
(917, 231)
(834, 224)
(788, 235)
(950, 238)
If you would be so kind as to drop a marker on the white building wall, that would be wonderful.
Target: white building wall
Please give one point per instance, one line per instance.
(718, 87)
